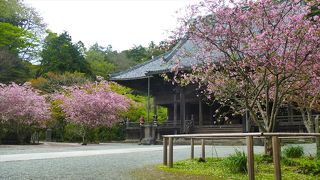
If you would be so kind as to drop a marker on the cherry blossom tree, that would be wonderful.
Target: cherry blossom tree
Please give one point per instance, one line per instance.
(256, 53)
(93, 105)
(22, 107)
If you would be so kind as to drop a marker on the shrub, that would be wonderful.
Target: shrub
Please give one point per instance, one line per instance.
(293, 152)
(264, 158)
(309, 167)
(236, 163)
(288, 162)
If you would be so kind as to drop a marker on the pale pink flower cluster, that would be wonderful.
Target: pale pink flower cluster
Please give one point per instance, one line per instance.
(93, 105)
(23, 104)
(261, 42)
(267, 51)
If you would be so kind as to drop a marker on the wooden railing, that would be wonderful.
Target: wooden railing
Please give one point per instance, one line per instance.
(168, 141)
(167, 124)
(295, 120)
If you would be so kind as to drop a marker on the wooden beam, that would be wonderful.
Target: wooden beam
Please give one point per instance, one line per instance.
(276, 157)
(250, 157)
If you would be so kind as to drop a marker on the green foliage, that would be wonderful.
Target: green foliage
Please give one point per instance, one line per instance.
(95, 135)
(115, 133)
(236, 163)
(288, 161)
(120, 60)
(264, 159)
(13, 69)
(138, 53)
(52, 82)
(60, 55)
(15, 132)
(305, 165)
(142, 54)
(22, 29)
(293, 151)
(58, 122)
(97, 58)
(215, 168)
(309, 167)
(71, 133)
(14, 38)
(139, 107)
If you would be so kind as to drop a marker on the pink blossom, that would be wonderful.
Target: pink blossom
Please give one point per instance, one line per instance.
(93, 105)
(23, 104)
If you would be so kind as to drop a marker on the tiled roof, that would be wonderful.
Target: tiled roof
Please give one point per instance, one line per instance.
(160, 64)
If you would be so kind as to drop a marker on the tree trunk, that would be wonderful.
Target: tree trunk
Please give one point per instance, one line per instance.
(268, 146)
(308, 120)
(84, 141)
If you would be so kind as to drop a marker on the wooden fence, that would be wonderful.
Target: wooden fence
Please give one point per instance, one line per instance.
(168, 142)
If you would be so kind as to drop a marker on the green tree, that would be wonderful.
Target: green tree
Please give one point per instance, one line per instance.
(14, 38)
(12, 68)
(60, 55)
(139, 108)
(138, 53)
(24, 18)
(97, 58)
(53, 82)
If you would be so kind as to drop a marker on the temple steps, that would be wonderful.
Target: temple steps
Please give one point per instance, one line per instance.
(235, 128)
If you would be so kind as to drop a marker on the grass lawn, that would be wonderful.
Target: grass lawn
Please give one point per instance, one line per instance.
(215, 168)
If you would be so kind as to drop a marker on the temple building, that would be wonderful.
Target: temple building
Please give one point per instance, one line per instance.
(187, 112)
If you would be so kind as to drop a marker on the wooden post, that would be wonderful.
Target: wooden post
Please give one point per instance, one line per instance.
(250, 158)
(203, 149)
(200, 113)
(192, 148)
(276, 157)
(170, 152)
(316, 129)
(165, 151)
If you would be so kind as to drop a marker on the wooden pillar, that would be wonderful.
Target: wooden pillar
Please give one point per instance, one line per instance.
(148, 99)
(182, 110)
(165, 151)
(154, 106)
(175, 109)
(170, 152)
(192, 148)
(250, 158)
(200, 113)
(276, 157)
(203, 149)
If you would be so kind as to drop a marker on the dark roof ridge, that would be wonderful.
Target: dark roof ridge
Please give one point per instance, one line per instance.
(175, 49)
(166, 57)
(136, 66)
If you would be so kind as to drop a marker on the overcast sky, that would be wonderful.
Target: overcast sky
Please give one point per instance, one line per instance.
(121, 23)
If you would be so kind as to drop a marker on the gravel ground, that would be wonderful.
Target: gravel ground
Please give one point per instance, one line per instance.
(106, 166)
